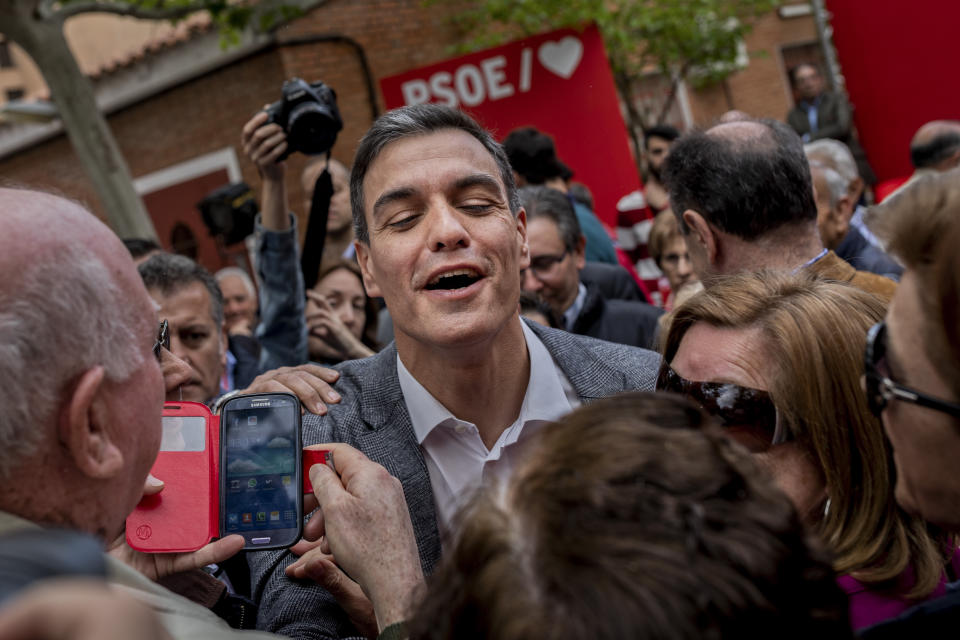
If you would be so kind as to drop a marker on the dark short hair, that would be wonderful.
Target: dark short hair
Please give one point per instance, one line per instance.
(169, 273)
(745, 187)
(531, 302)
(663, 131)
(418, 120)
(533, 156)
(581, 193)
(633, 517)
(794, 70)
(544, 202)
(139, 247)
(935, 150)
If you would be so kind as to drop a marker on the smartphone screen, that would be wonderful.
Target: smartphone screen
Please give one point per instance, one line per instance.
(261, 495)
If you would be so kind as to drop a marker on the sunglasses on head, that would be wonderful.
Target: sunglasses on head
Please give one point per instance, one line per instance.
(881, 389)
(731, 404)
(163, 339)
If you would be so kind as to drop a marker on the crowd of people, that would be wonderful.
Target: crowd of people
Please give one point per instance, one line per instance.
(733, 414)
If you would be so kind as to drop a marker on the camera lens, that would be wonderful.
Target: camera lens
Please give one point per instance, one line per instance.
(313, 127)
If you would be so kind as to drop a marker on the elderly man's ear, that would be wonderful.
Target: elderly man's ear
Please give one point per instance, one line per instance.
(84, 428)
(702, 235)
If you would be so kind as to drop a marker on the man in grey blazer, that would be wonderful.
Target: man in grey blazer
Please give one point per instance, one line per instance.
(457, 398)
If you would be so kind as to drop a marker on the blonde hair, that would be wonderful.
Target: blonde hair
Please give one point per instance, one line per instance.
(816, 331)
(664, 229)
(916, 223)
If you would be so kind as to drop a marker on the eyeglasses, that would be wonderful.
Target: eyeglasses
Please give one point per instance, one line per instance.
(733, 405)
(543, 265)
(881, 389)
(163, 339)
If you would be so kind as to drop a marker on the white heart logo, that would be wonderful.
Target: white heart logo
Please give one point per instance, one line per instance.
(562, 58)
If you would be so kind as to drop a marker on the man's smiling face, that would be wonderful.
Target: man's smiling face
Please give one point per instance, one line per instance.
(445, 251)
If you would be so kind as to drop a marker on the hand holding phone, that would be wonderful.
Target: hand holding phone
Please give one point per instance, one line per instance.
(261, 476)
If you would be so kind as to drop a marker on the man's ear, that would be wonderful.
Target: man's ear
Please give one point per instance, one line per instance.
(703, 235)
(83, 426)
(522, 239)
(580, 253)
(366, 269)
(855, 190)
(841, 214)
(224, 342)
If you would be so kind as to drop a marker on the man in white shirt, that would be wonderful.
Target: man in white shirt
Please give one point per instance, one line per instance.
(441, 236)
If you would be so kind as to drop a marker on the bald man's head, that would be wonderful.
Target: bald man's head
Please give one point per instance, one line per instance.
(746, 177)
(936, 145)
(70, 299)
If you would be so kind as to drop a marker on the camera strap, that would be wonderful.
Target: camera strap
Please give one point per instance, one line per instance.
(316, 237)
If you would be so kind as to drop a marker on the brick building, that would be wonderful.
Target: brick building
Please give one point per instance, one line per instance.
(176, 108)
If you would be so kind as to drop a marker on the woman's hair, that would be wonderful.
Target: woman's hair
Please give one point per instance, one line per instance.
(920, 226)
(664, 229)
(633, 517)
(813, 338)
(370, 310)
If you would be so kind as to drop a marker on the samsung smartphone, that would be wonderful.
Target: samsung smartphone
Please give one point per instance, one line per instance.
(261, 494)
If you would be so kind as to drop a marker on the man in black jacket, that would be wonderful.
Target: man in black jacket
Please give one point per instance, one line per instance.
(556, 257)
(820, 113)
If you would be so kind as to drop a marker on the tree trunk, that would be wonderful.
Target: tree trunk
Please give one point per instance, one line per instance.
(85, 125)
(634, 120)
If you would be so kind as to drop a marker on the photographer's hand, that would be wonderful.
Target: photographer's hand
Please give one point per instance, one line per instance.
(263, 143)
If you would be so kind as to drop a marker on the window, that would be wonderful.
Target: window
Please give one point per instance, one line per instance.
(14, 94)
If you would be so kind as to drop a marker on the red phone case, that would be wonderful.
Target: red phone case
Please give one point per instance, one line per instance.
(186, 514)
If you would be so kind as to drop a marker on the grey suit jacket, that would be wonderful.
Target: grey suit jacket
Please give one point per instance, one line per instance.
(373, 418)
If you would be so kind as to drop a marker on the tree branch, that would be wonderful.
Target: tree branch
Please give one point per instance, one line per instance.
(121, 9)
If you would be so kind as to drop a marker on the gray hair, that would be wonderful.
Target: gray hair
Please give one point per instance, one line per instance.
(837, 186)
(835, 155)
(418, 120)
(544, 202)
(60, 319)
(169, 273)
(237, 272)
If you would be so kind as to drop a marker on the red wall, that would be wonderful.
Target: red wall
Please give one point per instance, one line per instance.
(900, 60)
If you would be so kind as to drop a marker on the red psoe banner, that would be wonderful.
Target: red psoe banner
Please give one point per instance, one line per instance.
(559, 82)
(899, 59)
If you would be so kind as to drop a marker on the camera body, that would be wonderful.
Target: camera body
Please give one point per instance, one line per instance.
(308, 114)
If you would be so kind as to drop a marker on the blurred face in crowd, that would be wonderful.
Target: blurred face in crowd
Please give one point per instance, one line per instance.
(831, 222)
(657, 151)
(339, 218)
(344, 293)
(554, 272)
(239, 303)
(808, 82)
(195, 339)
(675, 264)
(444, 249)
(926, 443)
(736, 356)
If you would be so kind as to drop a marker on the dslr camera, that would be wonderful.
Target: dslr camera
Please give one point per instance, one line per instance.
(308, 114)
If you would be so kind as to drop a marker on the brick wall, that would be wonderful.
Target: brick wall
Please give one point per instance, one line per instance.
(762, 88)
(206, 114)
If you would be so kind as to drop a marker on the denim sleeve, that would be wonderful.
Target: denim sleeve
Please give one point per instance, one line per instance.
(282, 331)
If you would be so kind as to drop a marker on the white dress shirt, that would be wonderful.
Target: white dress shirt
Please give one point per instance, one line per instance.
(457, 459)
